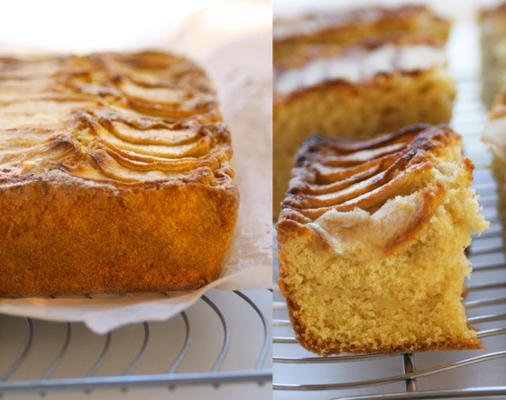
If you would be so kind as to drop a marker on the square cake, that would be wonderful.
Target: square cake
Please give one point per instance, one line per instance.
(368, 88)
(115, 175)
(371, 237)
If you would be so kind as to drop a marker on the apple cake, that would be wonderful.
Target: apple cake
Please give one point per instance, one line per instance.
(371, 87)
(492, 23)
(115, 175)
(343, 27)
(371, 242)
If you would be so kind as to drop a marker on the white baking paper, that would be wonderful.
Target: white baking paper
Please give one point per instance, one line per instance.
(239, 62)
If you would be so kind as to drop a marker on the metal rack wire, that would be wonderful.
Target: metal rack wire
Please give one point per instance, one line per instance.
(215, 375)
(396, 376)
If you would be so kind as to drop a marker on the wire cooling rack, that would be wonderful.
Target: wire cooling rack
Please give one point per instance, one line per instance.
(191, 348)
(431, 375)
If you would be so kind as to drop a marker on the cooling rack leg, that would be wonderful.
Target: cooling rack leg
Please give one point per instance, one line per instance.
(408, 365)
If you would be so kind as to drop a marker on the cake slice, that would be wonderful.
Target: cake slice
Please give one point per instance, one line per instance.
(338, 27)
(372, 87)
(493, 52)
(371, 243)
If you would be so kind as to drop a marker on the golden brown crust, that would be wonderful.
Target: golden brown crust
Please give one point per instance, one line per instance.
(111, 117)
(342, 28)
(351, 89)
(374, 169)
(120, 180)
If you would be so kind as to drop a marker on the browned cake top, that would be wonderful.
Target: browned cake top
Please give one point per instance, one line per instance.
(345, 174)
(311, 23)
(357, 64)
(123, 118)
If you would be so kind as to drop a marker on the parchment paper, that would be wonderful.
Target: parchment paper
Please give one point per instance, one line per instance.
(240, 65)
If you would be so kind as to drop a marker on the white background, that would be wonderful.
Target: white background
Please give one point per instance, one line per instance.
(92, 25)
